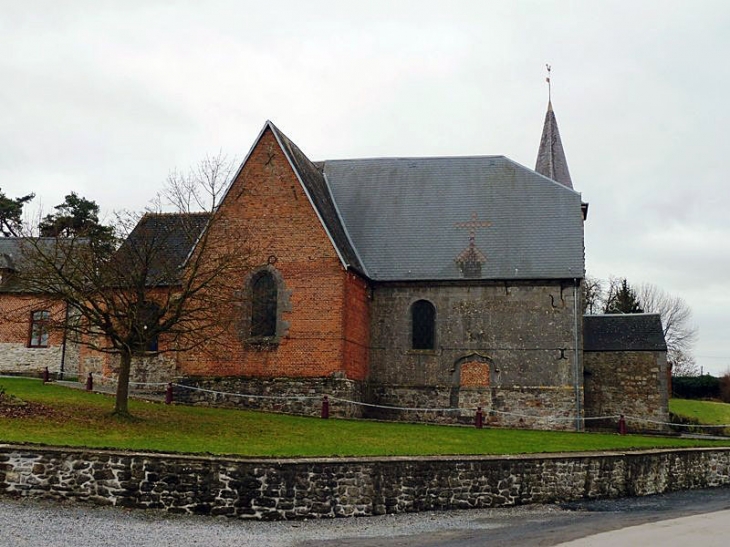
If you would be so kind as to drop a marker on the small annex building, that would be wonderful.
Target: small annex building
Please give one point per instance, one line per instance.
(415, 289)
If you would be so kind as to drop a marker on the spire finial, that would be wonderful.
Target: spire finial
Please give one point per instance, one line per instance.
(549, 68)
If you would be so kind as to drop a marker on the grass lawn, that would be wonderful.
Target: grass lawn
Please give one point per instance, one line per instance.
(71, 417)
(703, 412)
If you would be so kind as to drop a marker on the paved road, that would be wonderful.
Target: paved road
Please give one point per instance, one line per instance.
(46, 524)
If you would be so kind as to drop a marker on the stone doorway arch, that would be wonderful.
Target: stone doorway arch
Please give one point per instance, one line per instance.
(470, 383)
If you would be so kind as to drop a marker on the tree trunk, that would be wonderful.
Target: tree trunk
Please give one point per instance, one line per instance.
(121, 407)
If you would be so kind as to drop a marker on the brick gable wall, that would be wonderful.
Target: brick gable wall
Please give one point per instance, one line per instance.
(325, 316)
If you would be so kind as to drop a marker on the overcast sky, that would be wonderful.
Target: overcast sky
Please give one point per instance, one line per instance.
(106, 97)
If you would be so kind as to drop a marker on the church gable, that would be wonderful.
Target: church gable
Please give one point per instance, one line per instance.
(292, 162)
(291, 304)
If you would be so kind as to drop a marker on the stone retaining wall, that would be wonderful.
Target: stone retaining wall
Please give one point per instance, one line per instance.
(317, 488)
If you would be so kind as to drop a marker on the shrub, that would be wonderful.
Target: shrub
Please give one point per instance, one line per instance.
(725, 387)
(696, 387)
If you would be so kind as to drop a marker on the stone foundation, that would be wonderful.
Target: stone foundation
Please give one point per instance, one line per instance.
(503, 406)
(20, 359)
(320, 488)
(288, 395)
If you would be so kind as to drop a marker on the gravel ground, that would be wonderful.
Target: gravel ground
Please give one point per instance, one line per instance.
(43, 524)
(36, 523)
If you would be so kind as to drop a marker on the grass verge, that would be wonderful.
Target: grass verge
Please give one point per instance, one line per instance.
(701, 412)
(68, 417)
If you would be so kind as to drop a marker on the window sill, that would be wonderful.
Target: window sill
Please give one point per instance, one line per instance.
(262, 343)
(423, 352)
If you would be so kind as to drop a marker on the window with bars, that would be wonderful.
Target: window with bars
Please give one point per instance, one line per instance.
(423, 325)
(39, 329)
(263, 305)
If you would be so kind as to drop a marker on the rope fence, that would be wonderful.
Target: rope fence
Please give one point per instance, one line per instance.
(327, 399)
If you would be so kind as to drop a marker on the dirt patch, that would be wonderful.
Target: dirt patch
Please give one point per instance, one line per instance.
(12, 407)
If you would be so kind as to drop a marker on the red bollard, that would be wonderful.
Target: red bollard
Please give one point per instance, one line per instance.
(622, 425)
(89, 382)
(46, 376)
(325, 407)
(168, 394)
(479, 418)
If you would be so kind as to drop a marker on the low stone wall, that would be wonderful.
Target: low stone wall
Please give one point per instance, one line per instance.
(301, 396)
(20, 359)
(317, 488)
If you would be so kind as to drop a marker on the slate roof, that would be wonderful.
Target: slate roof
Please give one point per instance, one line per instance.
(167, 239)
(12, 259)
(408, 218)
(551, 160)
(623, 332)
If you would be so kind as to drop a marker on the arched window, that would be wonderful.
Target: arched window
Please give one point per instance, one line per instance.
(423, 325)
(263, 305)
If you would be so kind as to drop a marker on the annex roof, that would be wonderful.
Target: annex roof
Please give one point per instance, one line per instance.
(165, 240)
(16, 258)
(623, 332)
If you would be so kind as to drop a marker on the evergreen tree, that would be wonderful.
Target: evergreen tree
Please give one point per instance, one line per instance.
(11, 211)
(622, 298)
(75, 217)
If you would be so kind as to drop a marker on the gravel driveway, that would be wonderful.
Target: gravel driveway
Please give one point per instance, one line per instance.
(40, 524)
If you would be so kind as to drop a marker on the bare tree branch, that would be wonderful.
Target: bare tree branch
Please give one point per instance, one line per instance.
(161, 284)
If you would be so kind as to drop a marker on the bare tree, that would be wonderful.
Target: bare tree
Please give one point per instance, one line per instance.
(679, 331)
(683, 364)
(592, 295)
(617, 295)
(161, 287)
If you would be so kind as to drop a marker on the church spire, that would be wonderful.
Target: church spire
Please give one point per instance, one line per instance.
(551, 160)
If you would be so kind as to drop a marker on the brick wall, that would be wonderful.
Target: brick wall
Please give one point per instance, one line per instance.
(15, 354)
(268, 212)
(356, 327)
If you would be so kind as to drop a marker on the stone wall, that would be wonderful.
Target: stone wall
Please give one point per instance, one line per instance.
(288, 395)
(317, 488)
(534, 407)
(633, 383)
(496, 343)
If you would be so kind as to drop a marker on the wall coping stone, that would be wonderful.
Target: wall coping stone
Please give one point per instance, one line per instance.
(6, 447)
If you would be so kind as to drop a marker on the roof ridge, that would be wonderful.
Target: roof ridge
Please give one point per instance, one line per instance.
(179, 213)
(412, 158)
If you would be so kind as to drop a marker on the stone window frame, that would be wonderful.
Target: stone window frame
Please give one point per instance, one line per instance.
(283, 305)
(412, 329)
(38, 334)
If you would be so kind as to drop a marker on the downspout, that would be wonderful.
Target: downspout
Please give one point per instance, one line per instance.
(576, 367)
(63, 345)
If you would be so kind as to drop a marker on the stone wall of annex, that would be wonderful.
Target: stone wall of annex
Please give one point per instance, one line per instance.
(509, 347)
(632, 383)
(323, 488)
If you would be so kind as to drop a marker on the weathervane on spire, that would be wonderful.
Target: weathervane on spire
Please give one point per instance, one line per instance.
(549, 68)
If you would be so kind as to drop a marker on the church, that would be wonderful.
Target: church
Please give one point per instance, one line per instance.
(418, 289)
